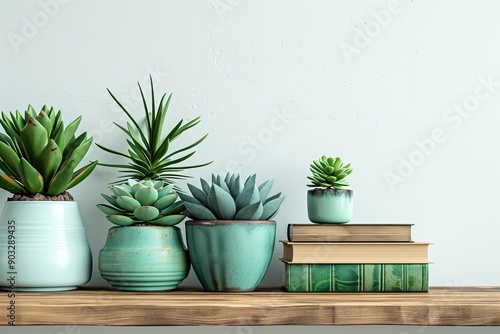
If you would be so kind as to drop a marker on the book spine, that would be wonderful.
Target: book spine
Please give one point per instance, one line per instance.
(357, 277)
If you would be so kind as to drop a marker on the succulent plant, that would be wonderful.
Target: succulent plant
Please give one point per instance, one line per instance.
(136, 202)
(232, 199)
(329, 172)
(148, 152)
(39, 155)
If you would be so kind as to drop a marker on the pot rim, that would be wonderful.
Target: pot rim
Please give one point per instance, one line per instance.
(329, 189)
(228, 222)
(41, 202)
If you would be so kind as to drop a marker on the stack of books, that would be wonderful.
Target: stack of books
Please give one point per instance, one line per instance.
(354, 258)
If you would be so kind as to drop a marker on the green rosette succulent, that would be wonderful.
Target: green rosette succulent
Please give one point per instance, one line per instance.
(329, 172)
(230, 198)
(38, 154)
(143, 202)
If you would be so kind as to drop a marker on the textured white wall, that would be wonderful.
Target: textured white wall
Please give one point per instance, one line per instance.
(405, 90)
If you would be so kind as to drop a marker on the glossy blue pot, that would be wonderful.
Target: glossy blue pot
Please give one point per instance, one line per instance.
(230, 255)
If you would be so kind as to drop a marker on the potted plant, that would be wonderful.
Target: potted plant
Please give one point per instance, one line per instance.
(43, 245)
(146, 252)
(328, 202)
(231, 235)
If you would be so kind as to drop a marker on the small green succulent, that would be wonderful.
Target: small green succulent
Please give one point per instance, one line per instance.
(148, 152)
(329, 172)
(232, 199)
(139, 202)
(39, 154)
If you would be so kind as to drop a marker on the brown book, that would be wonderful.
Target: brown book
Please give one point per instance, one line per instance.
(359, 252)
(349, 232)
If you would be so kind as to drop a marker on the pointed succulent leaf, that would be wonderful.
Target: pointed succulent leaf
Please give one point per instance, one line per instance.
(136, 187)
(70, 130)
(34, 136)
(175, 208)
(58, 134)
(61, 180)
(198, 194)
(146, 213)
(227, 179)
(121, 220)
(272, 197)
(271, 208)
(205, 186)
(127, 203)
(30, 177)
(249, 195)
(109, 210)
(9, 184)
(80, 151)
(158, 184)
(81, 174)
(250, 181)
(251, 212)
(111, 200)
(9, 157)
(118, 190)
(45, 121)
(147, 196)
(338, 163)
(49, 160)
(330, 161)
(199, 211)
(264, 189)
(168, 220)
(188, 199)
(221, 203)
(165, 201)
(165, 190)
(236, 187)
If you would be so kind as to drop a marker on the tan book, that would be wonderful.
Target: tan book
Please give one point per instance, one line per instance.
(349, 232)
(359, 252)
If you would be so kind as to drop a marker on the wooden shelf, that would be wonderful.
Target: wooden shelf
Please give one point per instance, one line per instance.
(442, 306)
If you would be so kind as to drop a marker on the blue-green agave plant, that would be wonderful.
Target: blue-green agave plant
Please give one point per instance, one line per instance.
(329, 172)
(39, 155)
(230, 198)
(142, 202)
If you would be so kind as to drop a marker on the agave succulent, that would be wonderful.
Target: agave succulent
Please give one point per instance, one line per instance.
(148, 152)
(329, 172)
(150, 202)
(39, 155)
(230, 198)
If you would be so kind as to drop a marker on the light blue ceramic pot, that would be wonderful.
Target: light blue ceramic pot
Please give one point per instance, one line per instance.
(43, 246)
(329, 205)
(230, 255)
(144, 258)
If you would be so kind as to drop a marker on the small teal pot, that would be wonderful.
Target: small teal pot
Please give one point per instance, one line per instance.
(329, 206)
(144, 258)
(43, 246)
(230, 255)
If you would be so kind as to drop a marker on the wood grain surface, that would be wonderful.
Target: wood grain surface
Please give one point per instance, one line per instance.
(450, 306)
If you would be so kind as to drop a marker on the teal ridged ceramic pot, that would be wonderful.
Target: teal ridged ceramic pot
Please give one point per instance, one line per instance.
(144, 258)
(230, 255)
(43, 246)
(329, 205)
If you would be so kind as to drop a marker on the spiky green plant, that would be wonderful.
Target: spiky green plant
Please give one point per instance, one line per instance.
(232, 199)
(329, 172)
(148, 152)
(39, 154)
(150, 202)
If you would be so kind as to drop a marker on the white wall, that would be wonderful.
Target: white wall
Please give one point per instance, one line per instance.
(429, 72)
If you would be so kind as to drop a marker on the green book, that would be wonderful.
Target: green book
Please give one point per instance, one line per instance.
(357, 277)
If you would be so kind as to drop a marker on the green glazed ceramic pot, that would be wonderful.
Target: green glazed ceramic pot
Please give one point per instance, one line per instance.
(43, 246)
(329, 205)
(144, 258)
(230, 255)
